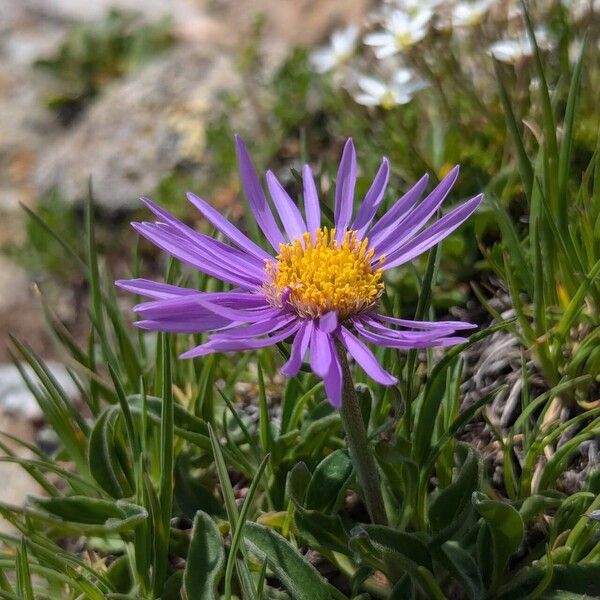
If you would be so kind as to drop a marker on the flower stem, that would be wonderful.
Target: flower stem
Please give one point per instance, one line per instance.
(358, 444)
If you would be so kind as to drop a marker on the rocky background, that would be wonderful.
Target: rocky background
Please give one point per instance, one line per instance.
(127, 138)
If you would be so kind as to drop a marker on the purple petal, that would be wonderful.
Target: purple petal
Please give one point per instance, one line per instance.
(233, 314)
(153, 289)
(333, 378)
(256, 197)
(290, 215)
(402, 334)
(215, 252)
(344, 190)
(185, 325)
(434, 234)
(196, 304)
(372, 199)
(398, 212)
(299, 348)
(320, 352)
(417, 218)
(365, 358)
(226, 228)
(186, 314)
(207, 243)
(453, 325)
(417, 340)
(259, 328)
(189, 254)
(238, 345)
(328, 322)
(311, 201)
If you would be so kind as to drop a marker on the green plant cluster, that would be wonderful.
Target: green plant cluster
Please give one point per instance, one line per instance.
(215, 478)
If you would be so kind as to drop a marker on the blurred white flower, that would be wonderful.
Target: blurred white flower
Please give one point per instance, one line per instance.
(469, 14)
(414, 7)
(387, 94)
(342, 45)
(401, 31)
(514, 50)
(580, 9)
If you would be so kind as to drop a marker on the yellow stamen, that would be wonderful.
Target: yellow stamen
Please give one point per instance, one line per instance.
(321, 275)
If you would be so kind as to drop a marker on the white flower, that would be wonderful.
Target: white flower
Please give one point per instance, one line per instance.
(341, 47)
(401, 31)
(514, 50)
(469, 14)
(400, 90)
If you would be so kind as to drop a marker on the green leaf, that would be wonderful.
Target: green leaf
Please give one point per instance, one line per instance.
(24, 587)
(505, 528)
(300, 579)
(236, 538)
(424, 427)
(459, 563)
(187, 426)
(191, 495)
(93, 515)
(408, 546)
(451, 501)
(266, 433)
(570, 511)
(319, 530)
(524, 164)
(103, 453)
(205, 561)
(167, 461)
(329, 482)
(173, 585)
(569, 582)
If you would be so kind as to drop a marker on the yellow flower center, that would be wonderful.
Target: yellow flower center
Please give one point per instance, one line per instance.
(322, 275)
(404, 39)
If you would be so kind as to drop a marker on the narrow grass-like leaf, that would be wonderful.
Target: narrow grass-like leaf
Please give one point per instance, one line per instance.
(24, 586)
(236, 538)
(226, 489)
(266, 436)
(167, 461)
(523, 162)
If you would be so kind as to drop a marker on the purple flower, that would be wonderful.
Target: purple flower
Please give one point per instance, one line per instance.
(319, 287)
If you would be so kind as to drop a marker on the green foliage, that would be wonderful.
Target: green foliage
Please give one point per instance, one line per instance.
(92, 55)
(552, 272)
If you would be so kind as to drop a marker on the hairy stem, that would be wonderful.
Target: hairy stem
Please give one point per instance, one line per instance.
(358, 444)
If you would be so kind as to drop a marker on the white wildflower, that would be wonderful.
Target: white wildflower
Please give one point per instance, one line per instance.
(401, 31)
(514, 50)
(342, 46)
(469, 14)
(387, 94)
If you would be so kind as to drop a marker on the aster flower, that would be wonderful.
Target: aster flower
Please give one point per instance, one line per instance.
(341, 47)
(387, 94)
(400, 31)
(320, 286)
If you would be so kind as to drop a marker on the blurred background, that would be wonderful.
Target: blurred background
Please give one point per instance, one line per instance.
(142, 97)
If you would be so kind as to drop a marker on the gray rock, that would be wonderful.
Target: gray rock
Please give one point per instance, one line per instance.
(14, 285)
(17, 484)
(15, 397)
(78, 10)
(139, 130)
